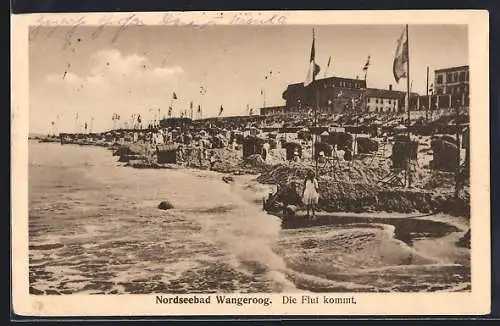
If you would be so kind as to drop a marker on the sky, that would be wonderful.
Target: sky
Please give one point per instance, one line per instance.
(92, 74)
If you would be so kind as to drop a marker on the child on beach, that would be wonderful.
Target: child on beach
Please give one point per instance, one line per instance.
(310, 196)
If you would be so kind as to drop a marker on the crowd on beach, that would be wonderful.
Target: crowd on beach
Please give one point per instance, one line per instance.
(347, 150)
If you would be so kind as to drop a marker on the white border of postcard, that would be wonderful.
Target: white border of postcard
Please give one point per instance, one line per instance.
(475, 302)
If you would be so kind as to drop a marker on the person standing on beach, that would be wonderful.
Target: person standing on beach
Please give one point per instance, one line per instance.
(265, 150)
(310, 196)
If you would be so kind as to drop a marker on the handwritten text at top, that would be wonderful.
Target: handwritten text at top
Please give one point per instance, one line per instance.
(120, 25)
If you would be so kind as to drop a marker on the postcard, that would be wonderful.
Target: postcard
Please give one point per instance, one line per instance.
(250, 163)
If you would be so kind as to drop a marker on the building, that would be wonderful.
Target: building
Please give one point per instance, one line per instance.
(452, 81)
(273, 110)
(338, 95)
(332, 95)
(384, 100)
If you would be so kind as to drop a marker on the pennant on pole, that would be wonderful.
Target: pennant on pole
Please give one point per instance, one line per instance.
(401, 58)
(313, 67)
(367, 64)
(174, 96)
(221, 110)
(328, 65)
(199, 108)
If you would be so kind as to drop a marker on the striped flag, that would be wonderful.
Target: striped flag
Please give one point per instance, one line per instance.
(401, 58)
(313, 67)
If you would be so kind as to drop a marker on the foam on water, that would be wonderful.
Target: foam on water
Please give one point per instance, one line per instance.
(95, 228)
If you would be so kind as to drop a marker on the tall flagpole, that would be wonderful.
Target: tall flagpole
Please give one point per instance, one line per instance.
(408, 103)
(313, 149)
(427, 93)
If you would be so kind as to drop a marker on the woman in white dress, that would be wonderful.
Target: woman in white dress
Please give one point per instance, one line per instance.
(310, 196)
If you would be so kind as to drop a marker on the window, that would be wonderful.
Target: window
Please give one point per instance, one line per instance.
(376, 101)
(462, 76)
(439, 79)
(467, 76)
(455, 77)
(449, 77)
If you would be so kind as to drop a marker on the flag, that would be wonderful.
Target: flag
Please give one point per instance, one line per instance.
(328, 65)
(401, 58)
(367, 64)
(52, 123)
(203, 90)
(85, 125)
(221, 110)
(261, 92)
(174, 96)
(313, 67)
(199, 108)
(139, 119)
(191, 104)
(169, 111)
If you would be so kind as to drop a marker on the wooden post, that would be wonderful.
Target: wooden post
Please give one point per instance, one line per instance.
(316, 125)
(408, 176)
(427, 93)
(457, 158)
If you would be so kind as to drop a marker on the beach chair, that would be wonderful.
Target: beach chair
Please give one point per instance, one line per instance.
(394, 178)
(379, 153)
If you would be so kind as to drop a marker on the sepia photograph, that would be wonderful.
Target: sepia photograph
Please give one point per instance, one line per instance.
(248, 158)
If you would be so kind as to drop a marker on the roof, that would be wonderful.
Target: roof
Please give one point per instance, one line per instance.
(330, 79)
(385, 93)
(452, 69)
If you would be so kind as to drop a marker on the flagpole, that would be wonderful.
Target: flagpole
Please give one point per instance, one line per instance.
(427, 93)
(408, 176)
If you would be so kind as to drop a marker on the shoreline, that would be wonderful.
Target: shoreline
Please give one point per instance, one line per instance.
(251, 176)
(409, 240)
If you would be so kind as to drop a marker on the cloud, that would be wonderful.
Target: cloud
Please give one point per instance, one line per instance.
(115, 83)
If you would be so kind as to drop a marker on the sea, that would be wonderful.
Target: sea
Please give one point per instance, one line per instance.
(95, 228)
